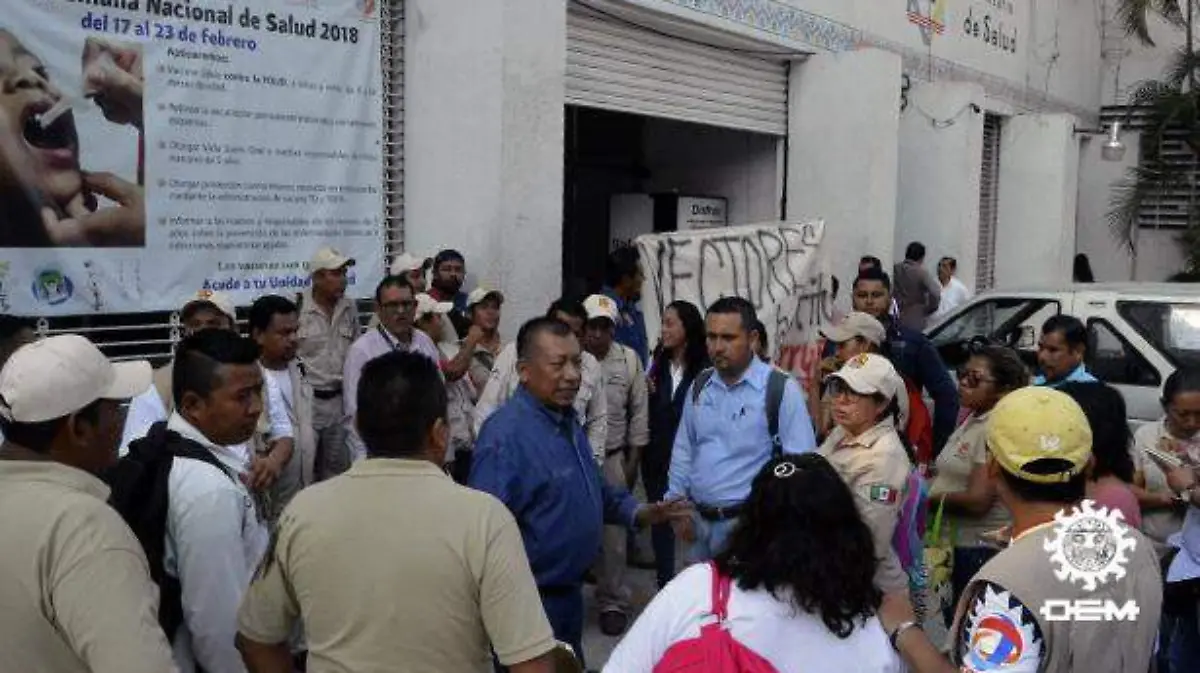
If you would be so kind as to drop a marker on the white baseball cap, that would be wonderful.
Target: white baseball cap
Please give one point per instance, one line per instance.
(601, 306)
(870, 374)
(481, 294)
(60, 375)
(217, 300)
(427, 304)
(856, 324)
(409, 262)
(329, 259)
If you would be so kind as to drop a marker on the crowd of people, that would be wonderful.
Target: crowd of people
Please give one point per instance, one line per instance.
(428, 494)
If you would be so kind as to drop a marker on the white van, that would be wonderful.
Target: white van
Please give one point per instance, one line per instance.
(1138, 333)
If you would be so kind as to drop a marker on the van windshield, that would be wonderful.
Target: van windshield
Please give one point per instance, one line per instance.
(1174, 329)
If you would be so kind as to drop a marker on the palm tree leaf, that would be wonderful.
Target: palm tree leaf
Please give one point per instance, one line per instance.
(1182, 68)
(1134, 16)
(1130, 195)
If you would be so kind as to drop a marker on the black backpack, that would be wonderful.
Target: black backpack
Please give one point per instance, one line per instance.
(776, 385)
(139, 483)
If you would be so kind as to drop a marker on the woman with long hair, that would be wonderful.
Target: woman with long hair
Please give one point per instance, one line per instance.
(1110, 478)
(680, 356)
(972, 511)
(801, 561)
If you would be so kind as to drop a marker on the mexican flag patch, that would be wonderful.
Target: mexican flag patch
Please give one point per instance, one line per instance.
(882, 493)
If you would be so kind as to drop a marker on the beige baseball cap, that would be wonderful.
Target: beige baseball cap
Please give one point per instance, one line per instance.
(409, 262)
(427, 304)
(217, 300)
(60, 375)
(481, 294)
(870, 374)
(601, 306)
(329, 259)
(856, 324)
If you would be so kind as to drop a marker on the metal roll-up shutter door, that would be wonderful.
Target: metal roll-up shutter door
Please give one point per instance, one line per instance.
(989, 202)
(613, 65)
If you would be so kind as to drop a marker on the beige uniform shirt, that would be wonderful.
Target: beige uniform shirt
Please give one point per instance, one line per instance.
(627, 399)
(590, 403)
(75, 590)
(965, 450)
(440, 575)
(875, 467)
(324, 341)
(1013, 589)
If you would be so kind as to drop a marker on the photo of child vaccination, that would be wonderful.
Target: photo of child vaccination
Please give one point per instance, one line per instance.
(70, 144)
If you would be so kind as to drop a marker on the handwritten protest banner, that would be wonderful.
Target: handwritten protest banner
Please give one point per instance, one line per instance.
(779, 267)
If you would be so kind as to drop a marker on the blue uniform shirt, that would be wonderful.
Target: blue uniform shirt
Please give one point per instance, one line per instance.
(1079, 375)
(723, 440)
(631, 330)
(538, 462)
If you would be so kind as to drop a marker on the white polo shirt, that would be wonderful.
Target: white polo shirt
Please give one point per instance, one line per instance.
(215, 541)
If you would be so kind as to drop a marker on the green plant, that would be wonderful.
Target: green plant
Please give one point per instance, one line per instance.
(1171, 107)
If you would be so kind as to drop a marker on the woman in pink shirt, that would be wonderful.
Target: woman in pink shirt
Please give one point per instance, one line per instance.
(1111, 479)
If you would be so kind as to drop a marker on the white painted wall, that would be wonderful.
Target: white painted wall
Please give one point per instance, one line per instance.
(484, 142)
(1055, 63)
(1039, 167)
(1111, 260)
(705, 161)
(843, 120)
(941, 144)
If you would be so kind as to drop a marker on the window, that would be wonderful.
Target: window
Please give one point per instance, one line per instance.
(1001, 318)
(1111, 359)
(1173, 329)
(1015, 321)
(989, 204)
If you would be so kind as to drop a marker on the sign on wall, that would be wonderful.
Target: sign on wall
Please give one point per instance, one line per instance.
(156, 148)
(701, 213)
(778, 267)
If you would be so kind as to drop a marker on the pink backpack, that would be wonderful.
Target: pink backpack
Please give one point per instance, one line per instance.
(715, 650)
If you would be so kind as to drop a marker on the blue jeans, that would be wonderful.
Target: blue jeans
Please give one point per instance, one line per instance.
(565, 612)
(1184, 652)
(711, 538)
(968, 561)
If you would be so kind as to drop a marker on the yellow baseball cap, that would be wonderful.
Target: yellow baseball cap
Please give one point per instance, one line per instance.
(1033, 424)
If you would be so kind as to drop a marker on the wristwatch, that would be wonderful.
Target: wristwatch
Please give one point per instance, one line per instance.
(1188, 494)
(894, 636)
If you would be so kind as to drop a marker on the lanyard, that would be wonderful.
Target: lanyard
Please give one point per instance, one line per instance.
(395, 344)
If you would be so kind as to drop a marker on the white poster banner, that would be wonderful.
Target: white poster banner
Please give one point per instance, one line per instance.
(778, 267)
(151, 148)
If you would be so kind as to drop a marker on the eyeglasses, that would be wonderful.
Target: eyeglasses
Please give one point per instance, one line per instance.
(973, 379)
(394, 306)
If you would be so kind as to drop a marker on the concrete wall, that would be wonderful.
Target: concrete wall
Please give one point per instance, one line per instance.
(1111, 259)
(1039, 167)
(484, 142)
(843, 119)
(705, 161)
(941, 145)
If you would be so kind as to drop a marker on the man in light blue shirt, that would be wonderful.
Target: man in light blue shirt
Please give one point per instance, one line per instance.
(723, 439)
(1061, 351)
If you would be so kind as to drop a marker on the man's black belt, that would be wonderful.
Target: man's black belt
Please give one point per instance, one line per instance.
(718, 513)
(327, 394)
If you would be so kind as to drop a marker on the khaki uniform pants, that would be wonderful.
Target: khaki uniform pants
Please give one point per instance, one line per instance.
(611, 592)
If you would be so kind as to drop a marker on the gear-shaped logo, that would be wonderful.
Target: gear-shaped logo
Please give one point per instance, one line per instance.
(1090, 545)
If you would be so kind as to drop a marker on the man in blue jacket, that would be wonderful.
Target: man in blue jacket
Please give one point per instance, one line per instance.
(910, 352)
(534, 456)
